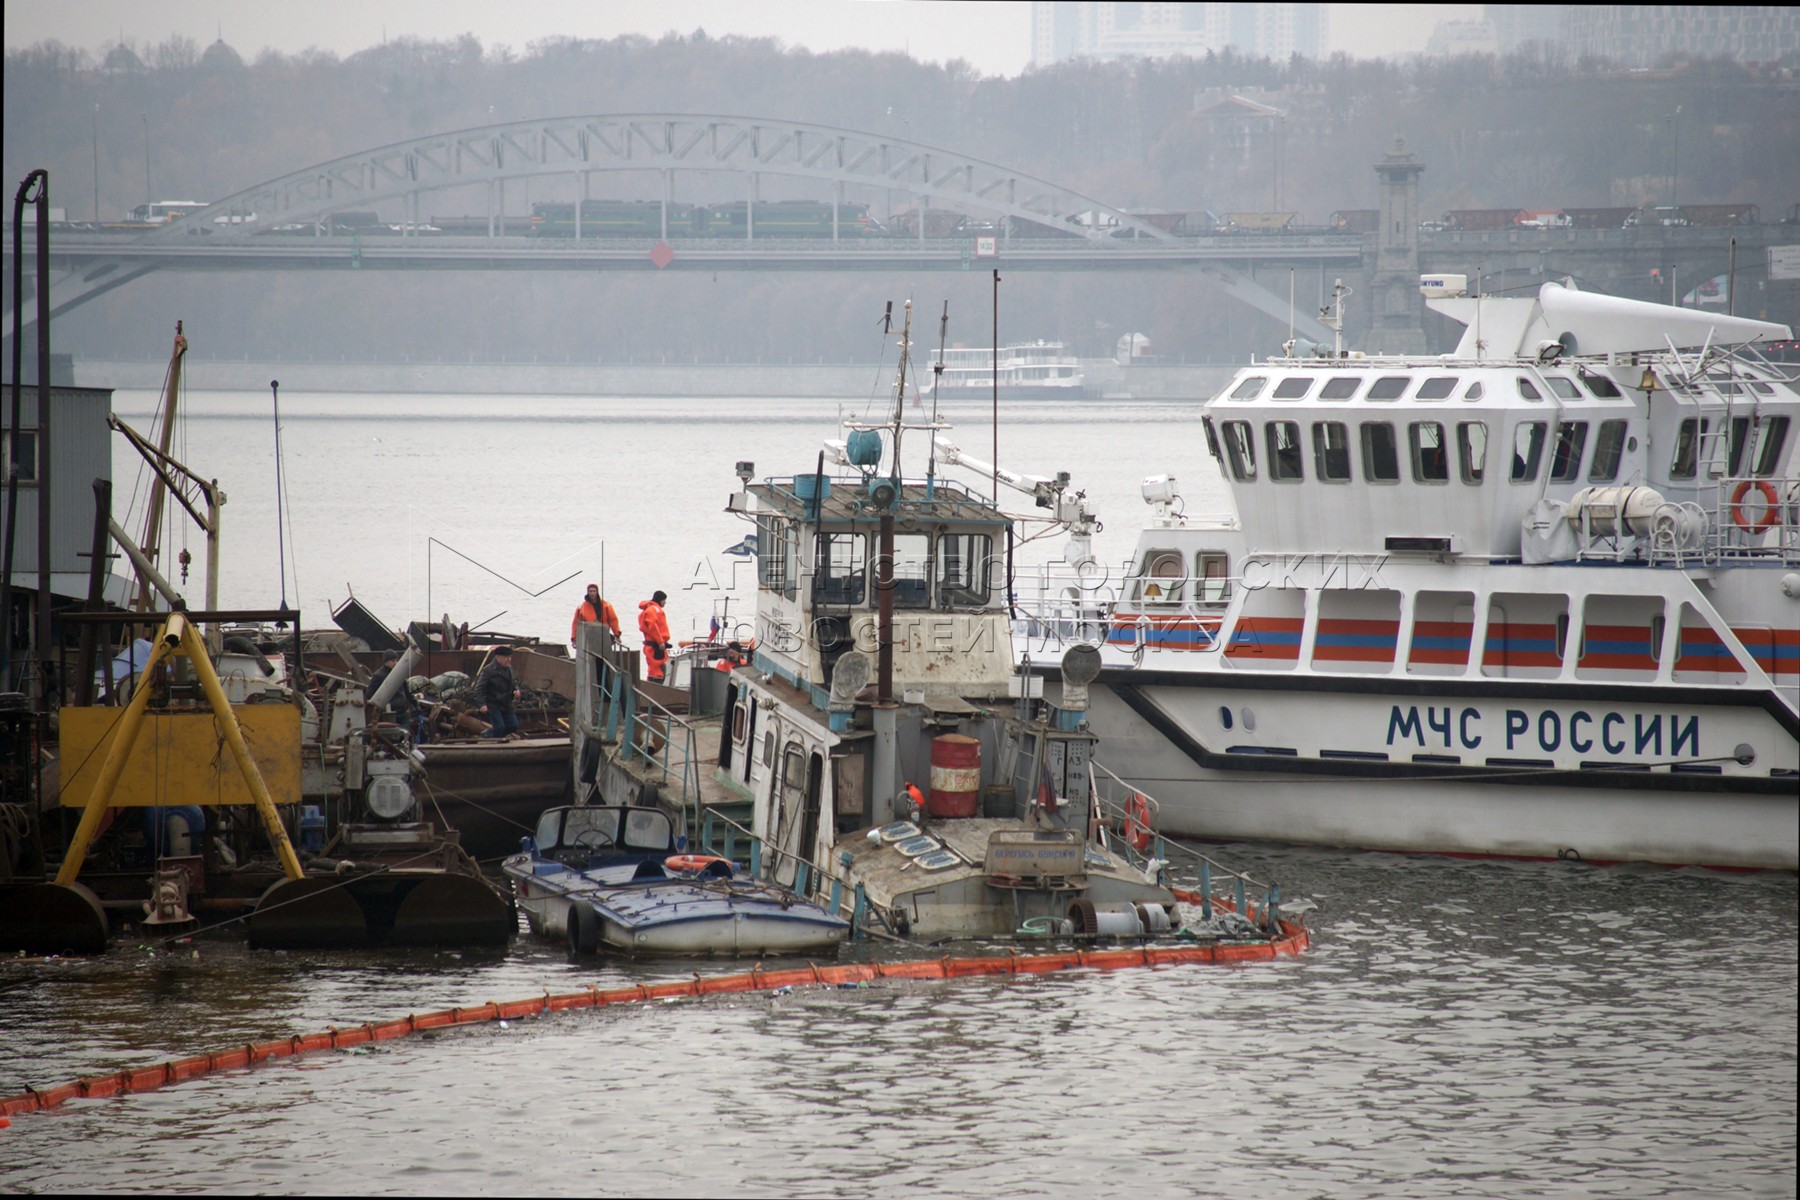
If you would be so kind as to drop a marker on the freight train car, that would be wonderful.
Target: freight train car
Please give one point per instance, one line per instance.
(788, 219)
(615, 218)
(1714, 216)
(1597, 218)
(733, 219)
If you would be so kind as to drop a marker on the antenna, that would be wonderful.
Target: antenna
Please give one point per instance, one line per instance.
(996, 387)
(1290, 341)
(937, 377)
(280, 537)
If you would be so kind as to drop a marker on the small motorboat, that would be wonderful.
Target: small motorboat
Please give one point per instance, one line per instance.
(616, 877)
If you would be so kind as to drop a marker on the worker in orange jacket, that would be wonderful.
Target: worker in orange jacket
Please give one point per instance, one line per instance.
(653, 623)
(593, 608)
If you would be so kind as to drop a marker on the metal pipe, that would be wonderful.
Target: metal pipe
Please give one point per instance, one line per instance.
(84, 661)
(46, 652)
(396, 677)
(23, 197)
(152, 539)
(884, 612)
(144, 565)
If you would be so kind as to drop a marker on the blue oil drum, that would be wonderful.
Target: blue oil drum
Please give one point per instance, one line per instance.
(812, 487)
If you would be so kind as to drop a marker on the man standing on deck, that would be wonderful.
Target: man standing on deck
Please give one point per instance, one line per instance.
(653, 623)
(497, 690)
(593, 608)
(403, 707)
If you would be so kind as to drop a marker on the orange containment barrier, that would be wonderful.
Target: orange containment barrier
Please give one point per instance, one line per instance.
(1293, 940)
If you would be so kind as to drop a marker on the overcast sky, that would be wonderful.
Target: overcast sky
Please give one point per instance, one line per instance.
(993, 37)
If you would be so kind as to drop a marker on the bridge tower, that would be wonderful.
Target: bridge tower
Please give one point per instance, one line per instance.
(1396, 322)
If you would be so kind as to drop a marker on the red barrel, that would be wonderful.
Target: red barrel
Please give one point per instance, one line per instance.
(955, 776)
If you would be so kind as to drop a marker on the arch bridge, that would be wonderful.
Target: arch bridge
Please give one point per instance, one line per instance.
(1085, 232)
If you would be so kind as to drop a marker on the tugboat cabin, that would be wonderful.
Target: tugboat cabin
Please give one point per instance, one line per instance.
(820, 563)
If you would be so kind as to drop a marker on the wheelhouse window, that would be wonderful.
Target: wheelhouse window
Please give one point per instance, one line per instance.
(1340, 387)
(1389, 387)
(1609, 449)
(845, 578)
(1163, 578)
(1240, 450)
(1430, 460)
(1601, 386)
(1528, 451)
(1294, 387)
(1737, 440)
(965, 569)
(1528, 391)
(912, 570)
(28, 454)
(1250, 388)
(1686, 461)
(771, 553)
(1438, 387)
(1471, 450)
(1212, 578)
(1474, 391)
(1381, 456)
(1284, 451)
(1565, 460)
(1774, 437)
(1564, 388)
(1331, 451)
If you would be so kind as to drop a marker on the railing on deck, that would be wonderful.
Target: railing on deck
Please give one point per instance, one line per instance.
(646, 730)
(1218, 886)
(720, 835)
(1048, 617)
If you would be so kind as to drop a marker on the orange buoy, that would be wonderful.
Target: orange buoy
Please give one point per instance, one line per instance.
(1137, 822)
(693, 862)
(955, 776)
(1771, 506)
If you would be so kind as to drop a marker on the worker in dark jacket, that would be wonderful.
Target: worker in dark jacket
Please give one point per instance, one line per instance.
(403, 707)
(653, 623)
(593, 608)
(497, 690)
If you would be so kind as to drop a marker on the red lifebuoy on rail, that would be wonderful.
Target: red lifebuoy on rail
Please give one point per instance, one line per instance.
(692, 862)
(1137, 822)
(1771, 506)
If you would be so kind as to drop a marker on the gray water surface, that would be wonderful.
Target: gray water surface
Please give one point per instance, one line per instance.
(1460, 1028)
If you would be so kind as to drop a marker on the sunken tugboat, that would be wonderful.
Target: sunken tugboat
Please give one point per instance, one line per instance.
(892, 754)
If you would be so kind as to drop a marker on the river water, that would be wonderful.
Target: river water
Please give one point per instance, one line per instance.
(1460, 1028)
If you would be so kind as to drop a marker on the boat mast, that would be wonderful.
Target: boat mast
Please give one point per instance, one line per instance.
(154, 511)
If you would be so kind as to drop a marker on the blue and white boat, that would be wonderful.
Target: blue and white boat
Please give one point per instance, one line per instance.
(615, 877)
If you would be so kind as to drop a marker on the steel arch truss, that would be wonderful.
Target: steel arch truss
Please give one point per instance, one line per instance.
(655, 142)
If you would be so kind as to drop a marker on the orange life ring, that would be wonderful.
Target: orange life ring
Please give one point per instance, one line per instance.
(692, 862)
(1137, 822)
(1771, 506)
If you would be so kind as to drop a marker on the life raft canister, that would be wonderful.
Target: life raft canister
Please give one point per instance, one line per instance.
(1771, 506)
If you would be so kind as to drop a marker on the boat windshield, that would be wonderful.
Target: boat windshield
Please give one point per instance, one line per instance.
(581, 828)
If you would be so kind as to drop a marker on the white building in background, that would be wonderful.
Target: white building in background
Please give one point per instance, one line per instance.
(1062, 30)
(1452, 38)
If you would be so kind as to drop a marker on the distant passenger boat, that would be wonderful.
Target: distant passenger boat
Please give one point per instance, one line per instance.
(1028, 370)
